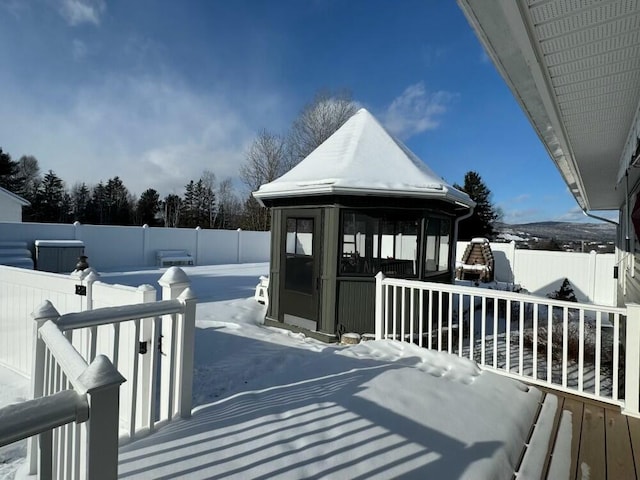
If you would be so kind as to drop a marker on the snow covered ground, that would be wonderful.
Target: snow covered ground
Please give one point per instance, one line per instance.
(273, 404)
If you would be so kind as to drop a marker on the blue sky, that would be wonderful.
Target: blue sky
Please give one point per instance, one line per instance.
(158, 91)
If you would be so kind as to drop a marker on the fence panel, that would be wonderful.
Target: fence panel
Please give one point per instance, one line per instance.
(21, 291)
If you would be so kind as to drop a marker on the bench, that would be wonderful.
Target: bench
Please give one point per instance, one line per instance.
(173, 257)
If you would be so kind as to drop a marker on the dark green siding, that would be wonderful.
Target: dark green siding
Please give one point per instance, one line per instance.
(356, 305)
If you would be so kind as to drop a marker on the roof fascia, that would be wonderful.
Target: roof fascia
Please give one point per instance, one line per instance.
(537, 98)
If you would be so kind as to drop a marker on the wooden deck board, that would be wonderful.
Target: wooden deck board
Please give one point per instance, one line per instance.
(620, 462)
(592, 461)
(577, 410)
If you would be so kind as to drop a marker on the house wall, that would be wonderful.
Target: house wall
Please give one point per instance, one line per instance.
(541, 271)
(115, 246)
(10, 211)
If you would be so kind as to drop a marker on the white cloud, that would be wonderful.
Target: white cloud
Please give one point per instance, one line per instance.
(416, 110)
(77, 12)
(151, 132)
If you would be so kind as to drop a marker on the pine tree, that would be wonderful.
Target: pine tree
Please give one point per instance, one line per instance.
(480, 223)
(148, 206)
(52, 202)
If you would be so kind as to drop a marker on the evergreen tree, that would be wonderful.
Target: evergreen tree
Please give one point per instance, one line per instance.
(51, 202)
(118, 203)
(480, 223)
(189, 206)
(148, 206)
(80, 199)
(8, 172)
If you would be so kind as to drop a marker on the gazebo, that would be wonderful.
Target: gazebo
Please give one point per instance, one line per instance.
(359, 204)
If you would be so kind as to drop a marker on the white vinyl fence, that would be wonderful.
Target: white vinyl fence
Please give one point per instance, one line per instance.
(588, 350)
(542, 271)
(109, 246)
(22, 291)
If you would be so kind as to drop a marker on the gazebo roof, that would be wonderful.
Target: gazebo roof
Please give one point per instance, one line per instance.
(362, 159)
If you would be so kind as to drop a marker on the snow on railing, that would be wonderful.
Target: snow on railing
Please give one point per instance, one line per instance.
(66, 389)
(22, 291)
(589, 350)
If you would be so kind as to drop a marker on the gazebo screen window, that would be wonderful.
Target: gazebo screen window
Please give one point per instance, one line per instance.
(299, 255)
(384, 243)
(437, 245)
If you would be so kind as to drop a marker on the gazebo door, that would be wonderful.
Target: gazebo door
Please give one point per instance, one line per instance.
(301, 260)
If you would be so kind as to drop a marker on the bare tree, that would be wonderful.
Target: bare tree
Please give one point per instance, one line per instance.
(266, 161)
(317, 121)
(229, 207)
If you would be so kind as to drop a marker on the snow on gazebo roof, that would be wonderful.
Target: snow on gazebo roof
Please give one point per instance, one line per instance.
(362, 158)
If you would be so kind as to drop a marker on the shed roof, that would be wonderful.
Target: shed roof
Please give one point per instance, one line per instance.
(361, 158)
(13, 197)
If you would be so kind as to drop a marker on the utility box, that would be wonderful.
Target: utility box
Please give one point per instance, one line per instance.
(58, 256)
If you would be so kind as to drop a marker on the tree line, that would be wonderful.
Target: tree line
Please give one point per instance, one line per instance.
(206, 202)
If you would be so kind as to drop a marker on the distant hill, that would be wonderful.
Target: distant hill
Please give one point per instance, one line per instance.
(561, 231)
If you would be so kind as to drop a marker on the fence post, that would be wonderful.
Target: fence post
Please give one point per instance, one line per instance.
(46, 311)
(632, 362)
(173, 283)
(239, 248)
(512, 260)
(145, 244)
(379, 306)
(102, 381)
(184, 353)
(592, 275)
(197, 252)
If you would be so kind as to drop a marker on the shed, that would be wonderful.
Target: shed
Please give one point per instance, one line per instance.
(360, 203)
(11, 206)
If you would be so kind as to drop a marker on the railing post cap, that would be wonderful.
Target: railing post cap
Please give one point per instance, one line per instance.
(45, 311)
(145, 288)
(198, 228)
(187, 294)
(146, 225)
(100, 374)
(76, 223)
(174, 276)
(93, 275)
(380, 276)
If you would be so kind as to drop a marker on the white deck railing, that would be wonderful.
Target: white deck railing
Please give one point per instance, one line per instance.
(66, 390)
(155, 395)
(589, 350)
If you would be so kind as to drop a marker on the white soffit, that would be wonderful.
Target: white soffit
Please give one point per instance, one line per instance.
(583, 58)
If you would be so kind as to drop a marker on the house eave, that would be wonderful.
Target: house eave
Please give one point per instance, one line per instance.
(513, 41)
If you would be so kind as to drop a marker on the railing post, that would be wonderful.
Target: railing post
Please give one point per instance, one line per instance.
(379, 306)
(632, 362)
(184, 356)
(46, 311)
(173, 283)
(239, 248)
(103, 390)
